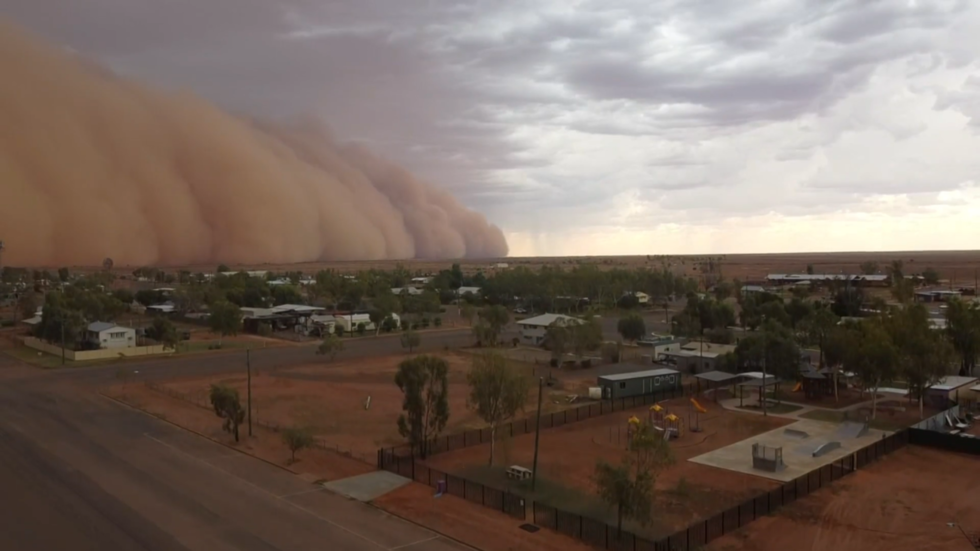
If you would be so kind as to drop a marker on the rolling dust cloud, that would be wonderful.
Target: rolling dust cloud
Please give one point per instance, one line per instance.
(95, 166)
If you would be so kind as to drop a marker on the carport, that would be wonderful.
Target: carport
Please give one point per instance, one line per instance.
(713, 380)
(760, 384)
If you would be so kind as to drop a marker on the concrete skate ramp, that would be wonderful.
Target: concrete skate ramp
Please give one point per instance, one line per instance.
(850, 429)
(793, 433)
(826, 447)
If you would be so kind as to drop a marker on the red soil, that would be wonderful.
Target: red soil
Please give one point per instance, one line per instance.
(470, 523)
(901, 503)
(568, 456)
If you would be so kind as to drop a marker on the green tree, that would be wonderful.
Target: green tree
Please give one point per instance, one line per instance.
(498, 391)
(222, 268)
(930, 276)
(869, 267)
(361, 328)
(165, 332)
(228, 406)
(384, 306)
(724, 290)
(411, 340)
(809, 269)
(632, 327)
(496, 318)
(963, 330)
(628, 487)
(296, 439)
(225, 319)
(925, 356)
(873, 358)
(27, 305)
(423, 381)
(330, 346)
(558, 340)
(585, 335)
(63, 274)
(797, 310)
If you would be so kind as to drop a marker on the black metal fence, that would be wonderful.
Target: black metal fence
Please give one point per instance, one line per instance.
(475, 492)
(699, 534)
(944, 441)
(518, 427)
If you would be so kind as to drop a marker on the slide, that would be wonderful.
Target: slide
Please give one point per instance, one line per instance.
(798, 387)
(698, 406)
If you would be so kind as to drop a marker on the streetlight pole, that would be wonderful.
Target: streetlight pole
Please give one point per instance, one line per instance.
(765, 372)
(248, 368)
(973, 541)
(537, 436)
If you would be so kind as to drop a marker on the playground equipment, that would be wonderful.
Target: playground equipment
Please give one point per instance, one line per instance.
(672, 426)
(798, 387)
(657, 413)
(632, 428)
(698, 406)
(694, 416)
(767, 458)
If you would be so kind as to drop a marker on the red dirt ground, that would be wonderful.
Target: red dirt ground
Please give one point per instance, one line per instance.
(265, 444)
(329, 399)
(568, 455)
(900, 503)
(473, 524)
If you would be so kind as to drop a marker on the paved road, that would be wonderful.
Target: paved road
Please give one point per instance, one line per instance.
(261, 358)
(80, 472)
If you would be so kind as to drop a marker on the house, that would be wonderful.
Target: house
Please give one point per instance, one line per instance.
(860, 280)
(638, 383)
(749, 289)
(350, 321)
(938, 295)
(468, 291)
(164, 308)
(950, 389)
(420, 281)
(284, 316)
(406, 291)
(110, 335)
(533, 330)
(661, 344)
(641, 297)
(697, 357)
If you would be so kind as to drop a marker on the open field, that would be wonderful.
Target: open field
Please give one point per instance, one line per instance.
(901, 503)
(329, 398)
(568, 456)
(958, 265)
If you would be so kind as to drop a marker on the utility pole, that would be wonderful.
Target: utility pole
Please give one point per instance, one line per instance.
(537, 436)
(248, 368)
(62, 324)
(765, 373)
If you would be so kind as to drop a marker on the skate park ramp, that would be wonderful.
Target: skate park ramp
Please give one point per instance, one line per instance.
(799, 455)
(850, 429)
(794, 433)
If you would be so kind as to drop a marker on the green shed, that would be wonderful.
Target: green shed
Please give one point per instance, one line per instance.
(624, 385)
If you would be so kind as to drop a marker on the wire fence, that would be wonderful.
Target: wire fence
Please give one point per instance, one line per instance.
(699, 534)
(518, 427)
(945, 441)
(475, 492)
(318, 442)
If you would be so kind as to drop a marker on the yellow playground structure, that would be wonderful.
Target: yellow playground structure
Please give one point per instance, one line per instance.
(698, 406)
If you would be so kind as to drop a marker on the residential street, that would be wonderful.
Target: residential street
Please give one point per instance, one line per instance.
(81, 472)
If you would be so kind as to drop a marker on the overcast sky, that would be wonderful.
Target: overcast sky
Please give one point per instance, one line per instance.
(606, 126)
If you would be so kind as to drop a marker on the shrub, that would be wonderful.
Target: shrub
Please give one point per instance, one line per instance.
(586, 364)
(437, 322)
(553, 362)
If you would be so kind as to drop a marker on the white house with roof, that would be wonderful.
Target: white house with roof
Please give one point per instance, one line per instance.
(110, 335)
(533, 330)
(468, 291)
(406, 291)
(953, 388)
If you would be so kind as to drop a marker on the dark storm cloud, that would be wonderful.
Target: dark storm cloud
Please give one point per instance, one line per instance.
(450, 89)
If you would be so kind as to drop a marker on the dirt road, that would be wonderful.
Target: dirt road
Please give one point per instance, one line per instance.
(81, 472)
